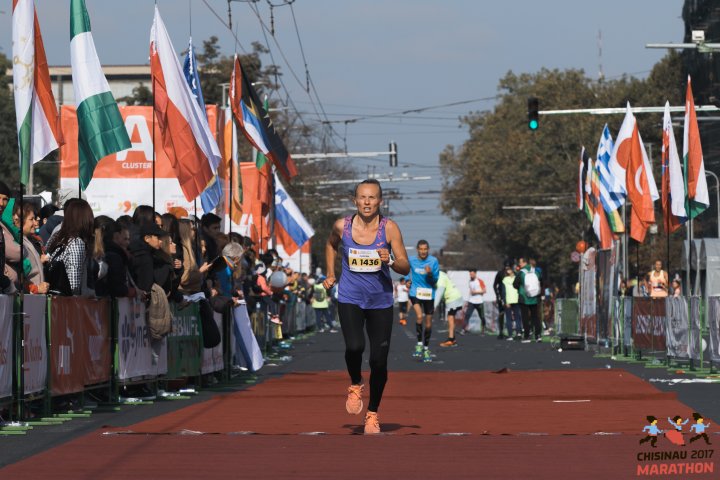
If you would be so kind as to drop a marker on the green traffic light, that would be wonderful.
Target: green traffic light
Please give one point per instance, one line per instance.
(533, 124)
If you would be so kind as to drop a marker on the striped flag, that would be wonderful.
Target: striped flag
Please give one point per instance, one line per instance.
(583, 188)
(697, 192)
(101, 130)
(600, 222)
(292, 229)
(187, 140)
(256, 124)
(611, 201)
(673, 183)
(211, 196)
(38, 123)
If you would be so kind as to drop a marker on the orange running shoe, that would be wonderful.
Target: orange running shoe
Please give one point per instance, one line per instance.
(372, 423)
(354, 402)
(450, 342)
(403, 321)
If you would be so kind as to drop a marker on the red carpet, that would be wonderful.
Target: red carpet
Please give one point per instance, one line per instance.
(553, 402)
(519, 424)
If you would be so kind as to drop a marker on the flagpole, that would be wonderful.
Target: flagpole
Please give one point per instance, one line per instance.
(153, 142)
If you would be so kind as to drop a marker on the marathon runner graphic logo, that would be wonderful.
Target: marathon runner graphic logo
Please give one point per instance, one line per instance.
(675, 461)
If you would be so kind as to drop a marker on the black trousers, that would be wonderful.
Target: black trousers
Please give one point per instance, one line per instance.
(378, 324)
(531, 320)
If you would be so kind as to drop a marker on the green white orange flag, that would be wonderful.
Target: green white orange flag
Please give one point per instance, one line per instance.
(101, 130)
(696, 183)
(38, 123)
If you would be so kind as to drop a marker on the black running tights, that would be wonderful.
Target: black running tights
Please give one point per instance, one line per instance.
(378, 323)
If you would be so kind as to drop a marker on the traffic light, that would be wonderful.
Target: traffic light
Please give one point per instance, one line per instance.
(533, 114)
(393, 154)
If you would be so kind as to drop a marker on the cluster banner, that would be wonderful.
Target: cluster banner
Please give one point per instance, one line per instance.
(6, 349)
(247, 350)
(34, 328)
(80, 335)
(185, 346)
(713, 320)
(648, 322)
(136, 357)
(212, 360)
(677, 327)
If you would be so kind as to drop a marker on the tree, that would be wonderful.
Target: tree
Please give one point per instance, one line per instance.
(503, 164)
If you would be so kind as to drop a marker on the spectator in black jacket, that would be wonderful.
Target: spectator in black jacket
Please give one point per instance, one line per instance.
(116, 282)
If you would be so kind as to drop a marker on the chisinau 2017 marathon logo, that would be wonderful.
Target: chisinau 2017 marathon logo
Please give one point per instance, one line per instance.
(681, 462)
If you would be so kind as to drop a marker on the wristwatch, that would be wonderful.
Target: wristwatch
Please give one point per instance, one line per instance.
(392, 260)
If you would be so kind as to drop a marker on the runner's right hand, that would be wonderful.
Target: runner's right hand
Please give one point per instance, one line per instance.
(329, 282)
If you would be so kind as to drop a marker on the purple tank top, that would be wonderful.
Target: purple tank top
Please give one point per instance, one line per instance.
(359, 286)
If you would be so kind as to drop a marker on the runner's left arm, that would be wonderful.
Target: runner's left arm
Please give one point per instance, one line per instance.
(401, 264)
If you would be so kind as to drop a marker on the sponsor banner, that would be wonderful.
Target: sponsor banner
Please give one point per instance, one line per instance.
(247, 350)
(135, 350)
(34, 328)
(212, 360)
(67, 341)
(677, 327)
(6, 350)
(110, 193)
(94, 316)
(185, 346)
(627, 326)
(648, 322)
(588, 297)
(713, 321)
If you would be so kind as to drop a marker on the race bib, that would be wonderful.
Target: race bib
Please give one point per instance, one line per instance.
(423, 293)
(361, 260)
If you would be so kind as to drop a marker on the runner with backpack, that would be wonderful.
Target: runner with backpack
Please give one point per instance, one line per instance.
(527, 281)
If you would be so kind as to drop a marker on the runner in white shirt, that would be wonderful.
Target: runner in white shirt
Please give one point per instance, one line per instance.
(475, 302)
(401, 293)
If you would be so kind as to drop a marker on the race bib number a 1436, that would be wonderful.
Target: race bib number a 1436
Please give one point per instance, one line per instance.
(361, 260)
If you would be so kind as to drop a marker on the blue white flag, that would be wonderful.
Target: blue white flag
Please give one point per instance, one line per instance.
(610, 200)
(213, 193)
(290, 218)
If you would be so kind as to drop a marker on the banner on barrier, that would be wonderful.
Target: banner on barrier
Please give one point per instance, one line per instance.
(648, 323)
(34, 325)
(713, 323)
(80, 333)
(677, 327)
(135, 350)
(695, 332)
(212, 360)
(627, 324)
(185, 346)
(247, 350)
(6, 349)
(588, 297)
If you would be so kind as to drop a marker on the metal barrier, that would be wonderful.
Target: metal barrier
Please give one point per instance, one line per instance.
(63, 347)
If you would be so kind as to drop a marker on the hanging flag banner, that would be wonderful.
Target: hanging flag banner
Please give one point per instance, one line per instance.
(35, 364)
(246, 344)
(135, 350)
(695, 341)
(110, 193)
(6, 349)
(588, 298)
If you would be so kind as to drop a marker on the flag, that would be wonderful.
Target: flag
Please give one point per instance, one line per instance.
(255, 124)
(600, 222)
(261, 159)
(211, 196)
(697, 192)
(101, 130)
(38, 123)
(233, 186)
(629, 161)
(611, 201)
(583, 189)
(673, 183)
(186, 136)
(292, 229)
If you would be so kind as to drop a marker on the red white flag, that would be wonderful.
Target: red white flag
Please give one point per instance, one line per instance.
(186, 137)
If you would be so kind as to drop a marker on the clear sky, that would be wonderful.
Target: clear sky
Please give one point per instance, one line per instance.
(370, 57)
